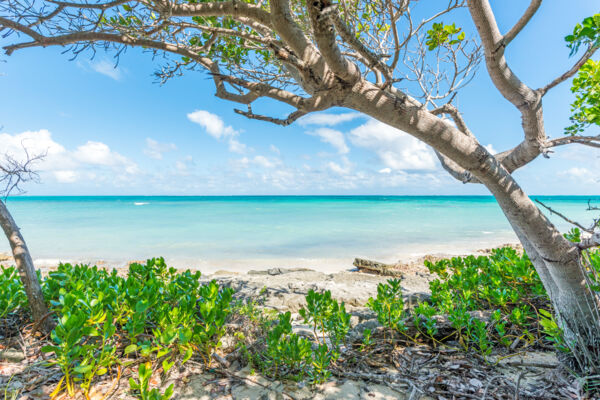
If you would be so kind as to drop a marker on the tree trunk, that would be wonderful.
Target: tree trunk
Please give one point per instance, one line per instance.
(39, 309)
(557, 261)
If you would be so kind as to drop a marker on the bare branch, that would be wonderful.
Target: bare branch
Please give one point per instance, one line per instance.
(592, 141)
(524, 20)
(572, 71)
(283, 122)
(456, 116)
(570, 221)
(14, 172)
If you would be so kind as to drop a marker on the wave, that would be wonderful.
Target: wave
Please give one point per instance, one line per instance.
(140, 203)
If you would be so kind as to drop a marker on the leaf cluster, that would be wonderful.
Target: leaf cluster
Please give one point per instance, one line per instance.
(154, 313)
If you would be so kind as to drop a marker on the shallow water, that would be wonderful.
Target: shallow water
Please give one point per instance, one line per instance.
(240, 232)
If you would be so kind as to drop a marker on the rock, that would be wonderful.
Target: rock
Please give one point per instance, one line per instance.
(254, 272)
(12, 355)
(356, 333)
(275, 271)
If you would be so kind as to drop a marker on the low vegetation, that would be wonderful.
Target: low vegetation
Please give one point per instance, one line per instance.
(154, 318)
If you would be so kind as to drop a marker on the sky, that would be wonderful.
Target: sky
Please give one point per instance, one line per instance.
(113, 130)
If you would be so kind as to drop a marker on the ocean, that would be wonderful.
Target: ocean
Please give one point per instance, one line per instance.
(239, 233)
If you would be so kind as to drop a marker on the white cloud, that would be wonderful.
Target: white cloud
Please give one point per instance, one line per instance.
(65, 176)
(108, 69)
(236, 147)
(215, 127)
(333, 137)
(342, 169)
(385, 171)
(213, 124)
(328, 119)
(92, 160)
(397, 150)
(155, 149)
(263, 162)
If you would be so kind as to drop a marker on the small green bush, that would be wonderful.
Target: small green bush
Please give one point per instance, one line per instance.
(12, 294)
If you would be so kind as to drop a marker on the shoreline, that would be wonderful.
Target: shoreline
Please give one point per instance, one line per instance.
(241, 266)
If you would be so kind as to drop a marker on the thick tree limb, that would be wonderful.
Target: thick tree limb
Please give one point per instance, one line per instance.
(320, 12)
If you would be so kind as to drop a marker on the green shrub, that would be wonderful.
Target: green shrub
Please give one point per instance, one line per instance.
(161, 315)
(389, 306)
(12, 294)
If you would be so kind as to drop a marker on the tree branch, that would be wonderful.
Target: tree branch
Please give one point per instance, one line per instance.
(572, 71)
(283, 122)
(320, 12)
(570, 221)
(524, 20)
(592, 141)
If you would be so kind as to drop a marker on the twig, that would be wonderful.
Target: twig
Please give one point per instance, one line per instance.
(577, 224)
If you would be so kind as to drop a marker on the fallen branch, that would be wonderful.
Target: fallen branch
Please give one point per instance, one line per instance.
(377, 268)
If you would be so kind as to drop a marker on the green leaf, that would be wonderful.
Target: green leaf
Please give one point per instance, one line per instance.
(131, 348)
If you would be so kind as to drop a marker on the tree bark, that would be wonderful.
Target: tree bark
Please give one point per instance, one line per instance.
(557, 261)
(33, 289)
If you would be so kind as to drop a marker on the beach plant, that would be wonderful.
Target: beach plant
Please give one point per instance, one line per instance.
(141, 386)
(155, 312)
(327, 317)
(12, 293)
(389, 305)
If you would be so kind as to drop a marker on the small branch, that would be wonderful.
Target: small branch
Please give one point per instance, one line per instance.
(283, 122)
(572, 71)
(456, 116)
(524, 20)
(565, 218)
(592, 141)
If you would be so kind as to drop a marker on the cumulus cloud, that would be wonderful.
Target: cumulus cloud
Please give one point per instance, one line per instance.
(91, 161)
(213, 124)
(215, 127)
(333, 137)
(107, 68)
(397, 150)
(257, 161)
(328, 119)
(155, 149)
(343, 168)
(236, 147)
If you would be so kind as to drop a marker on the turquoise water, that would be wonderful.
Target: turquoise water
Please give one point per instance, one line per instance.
(244, 232)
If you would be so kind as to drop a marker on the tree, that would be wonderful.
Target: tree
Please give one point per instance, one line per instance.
(14, 172)
(316, 55)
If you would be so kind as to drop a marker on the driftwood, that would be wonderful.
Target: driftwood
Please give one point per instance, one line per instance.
(377, 268)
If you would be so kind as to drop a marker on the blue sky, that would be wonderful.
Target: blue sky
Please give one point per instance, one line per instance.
(114, 131)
